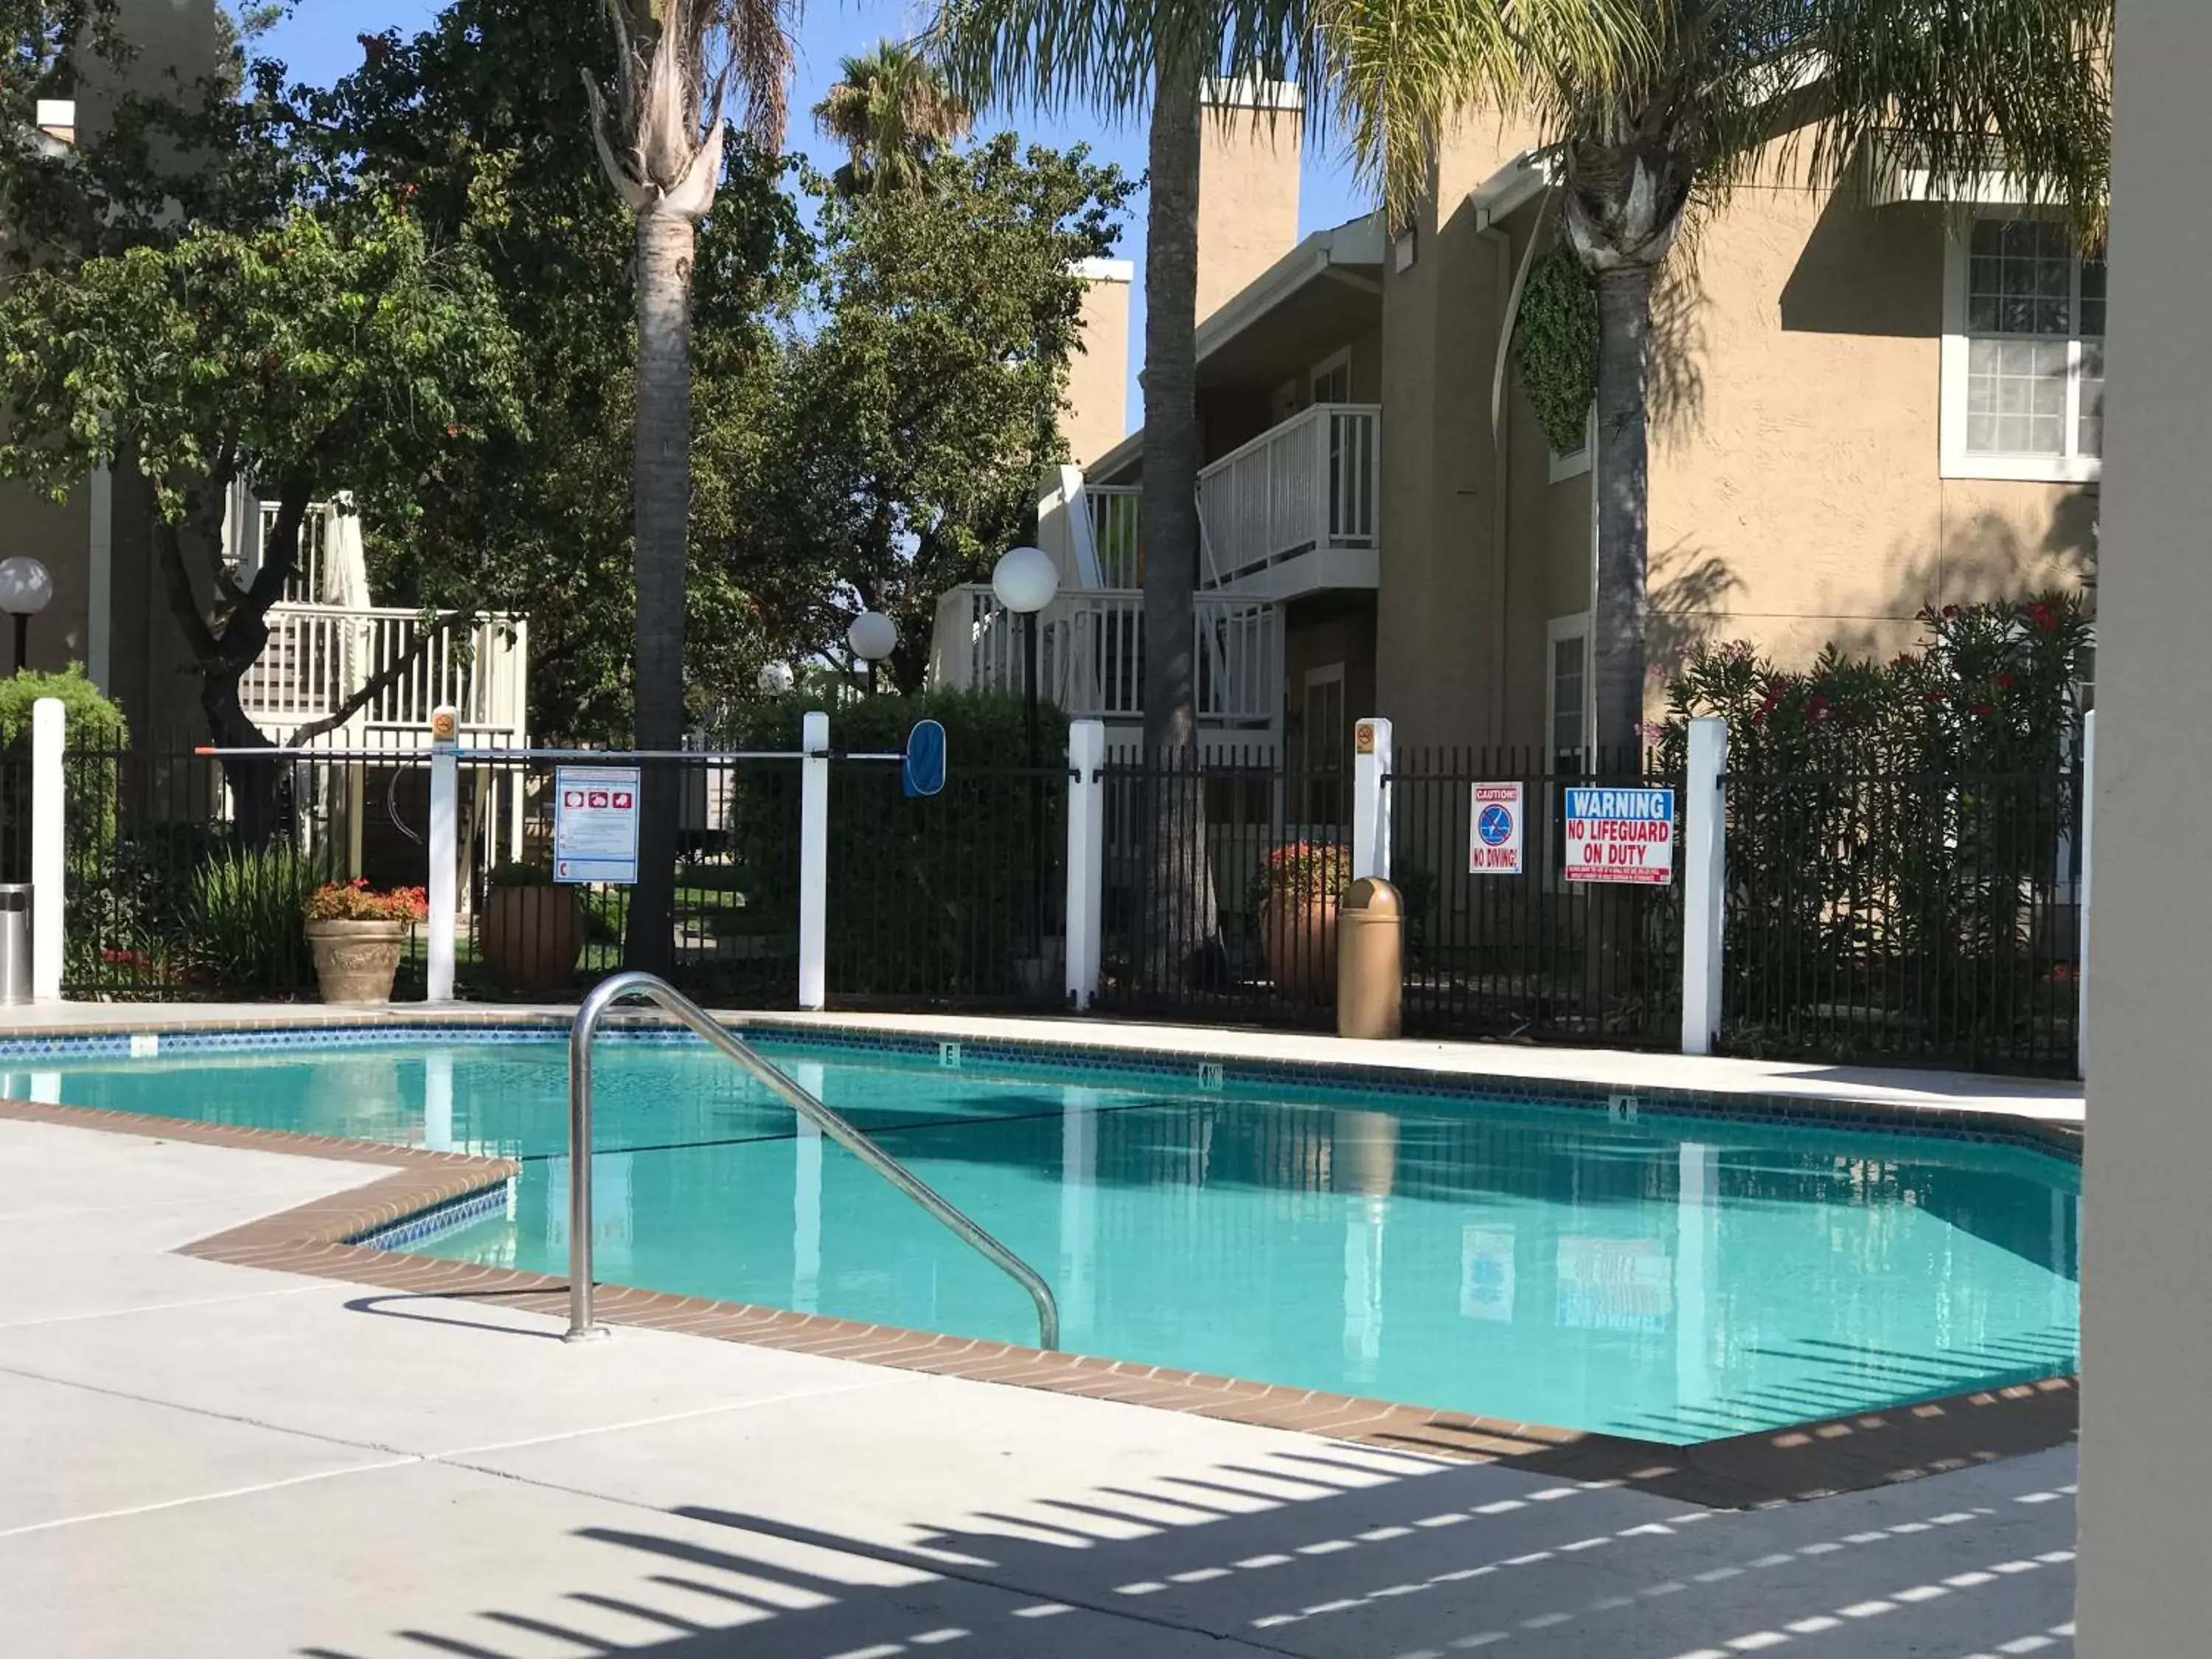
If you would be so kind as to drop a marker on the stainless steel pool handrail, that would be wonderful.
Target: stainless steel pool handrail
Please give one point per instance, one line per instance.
(634, 983)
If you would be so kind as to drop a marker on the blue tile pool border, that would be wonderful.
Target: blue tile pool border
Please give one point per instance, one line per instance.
(1183, 1070)
(412, 1232)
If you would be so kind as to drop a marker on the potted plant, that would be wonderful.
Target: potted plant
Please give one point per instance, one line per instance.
(531, 932)
(355, 935)
(1298, 896)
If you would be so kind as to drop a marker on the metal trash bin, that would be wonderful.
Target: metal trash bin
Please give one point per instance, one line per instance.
(1370, 959)
(15, 942)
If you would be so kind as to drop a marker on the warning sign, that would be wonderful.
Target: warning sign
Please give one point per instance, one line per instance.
(1621, 835)
(595, 824)
(1495, 838)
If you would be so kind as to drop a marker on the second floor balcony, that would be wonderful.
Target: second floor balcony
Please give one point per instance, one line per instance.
(1294, 511)
(1091, 655)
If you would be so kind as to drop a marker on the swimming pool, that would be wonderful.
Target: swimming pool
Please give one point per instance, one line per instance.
(1675, 1279)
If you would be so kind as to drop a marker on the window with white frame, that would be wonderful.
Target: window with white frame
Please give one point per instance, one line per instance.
(1566, 703)
(2023, 353)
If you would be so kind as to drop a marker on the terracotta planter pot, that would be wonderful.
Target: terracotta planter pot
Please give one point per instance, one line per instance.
(531, 937)
(355, 961)
(1297, 937)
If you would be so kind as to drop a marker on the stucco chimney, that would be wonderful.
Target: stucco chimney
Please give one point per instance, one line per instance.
(1096, 415)
(1247, 184)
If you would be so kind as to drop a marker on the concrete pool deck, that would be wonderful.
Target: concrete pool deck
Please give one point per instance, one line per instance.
(202, 1458)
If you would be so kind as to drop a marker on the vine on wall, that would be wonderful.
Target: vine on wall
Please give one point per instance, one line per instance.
(1555, 344)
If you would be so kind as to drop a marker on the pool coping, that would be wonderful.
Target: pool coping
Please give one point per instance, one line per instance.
(1208, 1067)
(1805, 1461)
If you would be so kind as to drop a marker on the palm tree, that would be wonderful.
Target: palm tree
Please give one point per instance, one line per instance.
(1972, 87)
(1122, 57)
(662, 150)
(892, 111)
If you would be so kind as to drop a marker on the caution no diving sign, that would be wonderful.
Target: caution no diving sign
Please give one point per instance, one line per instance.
(1496, 823)
(1621, 835)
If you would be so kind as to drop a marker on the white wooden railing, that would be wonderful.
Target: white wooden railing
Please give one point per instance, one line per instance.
(318, 656)
(1309, 483)
(1090, 654)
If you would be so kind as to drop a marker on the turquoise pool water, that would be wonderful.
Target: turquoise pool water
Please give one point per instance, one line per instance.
(1679, 1279)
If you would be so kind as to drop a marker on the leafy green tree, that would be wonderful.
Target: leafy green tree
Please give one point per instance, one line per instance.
(916, 416)
(892, 112)
(661, 146)
(340, 349)
(1711, 94)
(482, 116)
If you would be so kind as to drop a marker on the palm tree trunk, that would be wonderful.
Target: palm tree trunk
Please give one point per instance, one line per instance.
(1621, 603)
(663, 460)
(1182, 918)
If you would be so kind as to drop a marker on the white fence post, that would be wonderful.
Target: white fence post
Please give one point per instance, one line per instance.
(1371, 800)
(814, 861)
(1086, 857)
(2082, 891)
(49, 876)
(1705, 883)
(445, 893)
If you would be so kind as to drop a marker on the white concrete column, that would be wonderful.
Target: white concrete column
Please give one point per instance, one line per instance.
(1370, 800)
(445, 860)
(1705, 883)
(814, 861)
(49, 832)
(1086, 858)
(2089, 836)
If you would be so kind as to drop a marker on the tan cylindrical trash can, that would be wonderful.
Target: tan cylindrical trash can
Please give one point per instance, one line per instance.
(1370, 959)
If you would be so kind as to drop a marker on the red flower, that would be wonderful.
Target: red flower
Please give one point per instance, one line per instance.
(2004, 682)
(1985, 709)
(2043, 617)
(1950, 612)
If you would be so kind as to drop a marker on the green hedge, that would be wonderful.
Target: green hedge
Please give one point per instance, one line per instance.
(91, 722)
(928, 898)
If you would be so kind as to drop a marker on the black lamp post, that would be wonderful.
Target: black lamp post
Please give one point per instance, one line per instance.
(1025, 580)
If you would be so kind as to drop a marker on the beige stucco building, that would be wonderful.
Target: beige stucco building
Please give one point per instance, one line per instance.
(1864, 401)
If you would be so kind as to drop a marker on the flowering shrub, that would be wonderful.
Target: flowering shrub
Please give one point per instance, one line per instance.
(1891, 822)
(356, 901)
(1311, 869)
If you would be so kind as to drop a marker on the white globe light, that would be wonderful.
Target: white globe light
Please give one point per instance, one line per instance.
(26, 587)
(775, 678)
(872, 636)
(1025, 579)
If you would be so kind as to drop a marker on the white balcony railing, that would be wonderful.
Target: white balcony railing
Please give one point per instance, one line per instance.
(1090, 654)
(1308, 484)
(319, 656)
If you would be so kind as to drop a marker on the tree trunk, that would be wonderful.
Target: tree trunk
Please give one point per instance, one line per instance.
(663, 507)
(1621, 603)
(1184, 923)
(255, 785)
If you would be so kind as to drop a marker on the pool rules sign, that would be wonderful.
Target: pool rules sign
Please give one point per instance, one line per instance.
(595, 824)
(1496, 825)
(1621, 835)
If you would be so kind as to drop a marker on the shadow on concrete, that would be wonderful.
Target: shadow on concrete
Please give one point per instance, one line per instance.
(1337, 1552)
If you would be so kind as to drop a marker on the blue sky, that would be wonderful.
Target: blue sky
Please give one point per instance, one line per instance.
(319, 41)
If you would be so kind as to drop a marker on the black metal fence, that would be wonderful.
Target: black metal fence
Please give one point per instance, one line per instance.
(1871, 915)
(1881, 915)
(1234, 936)
(1533, 956)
